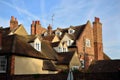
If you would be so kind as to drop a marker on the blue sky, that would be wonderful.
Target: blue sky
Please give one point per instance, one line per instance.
(66, 13)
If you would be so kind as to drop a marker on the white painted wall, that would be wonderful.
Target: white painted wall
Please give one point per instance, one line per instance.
(66, 38)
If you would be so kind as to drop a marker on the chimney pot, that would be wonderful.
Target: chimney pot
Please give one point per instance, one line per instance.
(33, 22)
(12, 18)
(97, 19)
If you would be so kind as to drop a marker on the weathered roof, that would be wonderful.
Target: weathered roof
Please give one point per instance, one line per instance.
(15, 45)
(78, 30)
(49, 37)
(5, 31)
(64, 58)
(49, 65)
(106, 57)
(47, 50)
(105, 66)
(55, 44)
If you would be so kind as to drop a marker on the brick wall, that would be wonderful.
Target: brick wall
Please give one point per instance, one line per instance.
(87, 52)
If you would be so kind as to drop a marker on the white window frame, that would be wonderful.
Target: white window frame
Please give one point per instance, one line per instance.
(71, 31)
(58, 33)
(4, 59)
(87, 43)
(82, 63)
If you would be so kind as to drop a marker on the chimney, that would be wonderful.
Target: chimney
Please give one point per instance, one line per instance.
(16, 23)
(49, 29)
(0, 39)
(97, 34)
(13, 23)
(97, 19)
(33, 28)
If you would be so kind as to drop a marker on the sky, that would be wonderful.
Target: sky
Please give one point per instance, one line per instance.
(66, 13)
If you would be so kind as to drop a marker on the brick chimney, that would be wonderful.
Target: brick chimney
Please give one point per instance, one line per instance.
(13, 23)
(49, 29)
(33, 28)
(36, 27)
(0, 39)
(98, 45)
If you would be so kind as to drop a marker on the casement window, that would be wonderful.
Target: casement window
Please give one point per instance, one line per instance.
(37, 46)
(58, 33)
(71, 31)
(75, 68)
(87, 43)
(3, 64)
(82, 63)
(59, 49)
(45, 34)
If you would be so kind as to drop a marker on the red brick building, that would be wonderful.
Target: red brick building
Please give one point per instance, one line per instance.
(86, 38)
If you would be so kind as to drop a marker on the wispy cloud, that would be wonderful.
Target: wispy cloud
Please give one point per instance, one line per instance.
(20, 10)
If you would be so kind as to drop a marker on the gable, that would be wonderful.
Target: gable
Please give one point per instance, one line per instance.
(55, 39)
(75, 60)
(21, 31)
(71, 31)
(37, 44)
(67, 39)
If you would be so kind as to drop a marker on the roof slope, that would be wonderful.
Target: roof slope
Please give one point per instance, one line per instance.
(14, 45)
(105, 66)
(49, 65)
(65, 57)
(47, 50)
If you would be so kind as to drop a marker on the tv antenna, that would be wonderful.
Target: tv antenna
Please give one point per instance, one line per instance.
(52, 19)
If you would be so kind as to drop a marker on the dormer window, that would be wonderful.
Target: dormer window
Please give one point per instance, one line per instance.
(71, 31)
(38, 46)
(45, 34)
(87, 43)
(58, 33)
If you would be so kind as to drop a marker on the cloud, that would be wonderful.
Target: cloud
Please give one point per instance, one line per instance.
(20, 10)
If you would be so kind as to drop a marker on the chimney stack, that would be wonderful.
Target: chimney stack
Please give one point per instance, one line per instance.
(49, 29)
(13, 23)
(97, 19)
(98, 45)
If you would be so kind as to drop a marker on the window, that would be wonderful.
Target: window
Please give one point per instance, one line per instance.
(64, 49)
(59, 33)
(3, 64)
(82, 63)
(59, 49)
(45, 34)
(37, 46)
(71, 31)
(69, 42)
(87, 43)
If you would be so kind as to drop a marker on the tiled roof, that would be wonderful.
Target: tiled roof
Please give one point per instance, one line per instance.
(106, 57)
(55, 44)
(15, 45)
(49, 65)
(47, 50)
(65, 57)
(5, 31)
(105, 66)
(49, 37)
(78, 30)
